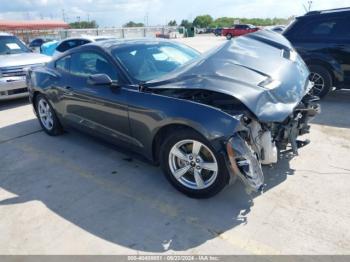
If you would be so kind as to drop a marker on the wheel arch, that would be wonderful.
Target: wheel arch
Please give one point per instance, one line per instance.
(335, 73)
(162, 133)
(33, 99)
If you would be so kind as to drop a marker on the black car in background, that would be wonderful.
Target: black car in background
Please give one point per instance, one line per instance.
(204, 118)
(36, 43)
(322, 38)
(218, 31)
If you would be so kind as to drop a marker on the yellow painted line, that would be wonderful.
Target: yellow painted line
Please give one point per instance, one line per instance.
(255, 247)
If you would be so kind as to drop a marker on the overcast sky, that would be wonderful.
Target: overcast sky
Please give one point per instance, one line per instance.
(118, 12)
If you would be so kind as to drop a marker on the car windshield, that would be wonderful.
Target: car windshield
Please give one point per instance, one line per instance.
(146, 62)
(12, 45)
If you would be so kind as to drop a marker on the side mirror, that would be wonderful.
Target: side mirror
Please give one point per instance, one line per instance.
(100, 80)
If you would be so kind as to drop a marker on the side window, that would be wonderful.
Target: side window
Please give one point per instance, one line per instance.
(341, 30)
(62, 47)
(324, 28)
(63, 64)
(89, 63)
(319, 29)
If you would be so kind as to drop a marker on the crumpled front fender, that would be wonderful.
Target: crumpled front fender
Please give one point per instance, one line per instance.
(244, 163)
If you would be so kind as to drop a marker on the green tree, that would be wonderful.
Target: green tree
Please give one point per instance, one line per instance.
(223, 22)
(186, 23)
(172, 23)
(229, 21)
(203, 21)
(133, 24)
(84, 24)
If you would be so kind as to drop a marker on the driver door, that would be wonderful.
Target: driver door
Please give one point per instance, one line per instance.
(101, 110)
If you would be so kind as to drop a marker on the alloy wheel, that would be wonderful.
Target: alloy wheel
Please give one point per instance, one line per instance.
(45, 114)
(193, 164)
(319, 83)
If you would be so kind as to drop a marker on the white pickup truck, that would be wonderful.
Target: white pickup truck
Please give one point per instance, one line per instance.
(15, 58)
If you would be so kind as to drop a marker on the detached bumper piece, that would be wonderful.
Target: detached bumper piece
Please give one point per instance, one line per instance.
(245, 164)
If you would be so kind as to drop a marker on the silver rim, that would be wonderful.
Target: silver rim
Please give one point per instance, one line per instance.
(318, 83)
(45, 114)
(193, 164)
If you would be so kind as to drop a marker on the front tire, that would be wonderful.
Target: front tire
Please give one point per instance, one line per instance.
(229, 36)
(47, 116)
(322, 79)
(192, 165)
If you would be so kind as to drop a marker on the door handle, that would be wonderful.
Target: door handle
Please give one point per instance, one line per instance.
(67, 87)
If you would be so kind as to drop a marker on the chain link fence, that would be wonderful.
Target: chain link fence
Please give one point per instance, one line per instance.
(131, 32)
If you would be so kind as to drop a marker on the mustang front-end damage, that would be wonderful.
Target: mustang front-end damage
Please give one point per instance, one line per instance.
(260, 79)
(261, 143)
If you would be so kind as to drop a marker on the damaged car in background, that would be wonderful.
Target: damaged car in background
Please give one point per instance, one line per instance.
(206, 119)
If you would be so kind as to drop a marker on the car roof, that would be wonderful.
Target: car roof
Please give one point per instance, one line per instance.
(114, 43)
(5, 34)
(328, 12)
(87, 37)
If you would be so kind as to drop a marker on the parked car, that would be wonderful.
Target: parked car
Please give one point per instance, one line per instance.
(70, 43)
(238, 30)
(322, 38)
(205, 119)
(218, 31)
(278, 29)
(49, 48)
(36, 44)
(201, 30)
(15, 57)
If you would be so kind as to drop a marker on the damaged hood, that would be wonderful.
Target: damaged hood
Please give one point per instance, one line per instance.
(261, 69)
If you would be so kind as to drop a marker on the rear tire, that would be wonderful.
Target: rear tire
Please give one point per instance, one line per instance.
(322, 79)
(192, 165)
(47, 116)
(229, 36)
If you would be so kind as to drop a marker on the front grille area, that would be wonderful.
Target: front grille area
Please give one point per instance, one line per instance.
(17, 91)
(15, 70)
(14, 92)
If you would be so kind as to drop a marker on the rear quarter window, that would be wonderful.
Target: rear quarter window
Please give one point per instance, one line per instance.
(63, 64)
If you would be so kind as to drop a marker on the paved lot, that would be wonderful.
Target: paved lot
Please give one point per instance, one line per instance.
(75, 195)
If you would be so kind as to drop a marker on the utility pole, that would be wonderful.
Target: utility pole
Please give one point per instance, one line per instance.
(88, 18)
(63, 15)
(309, 6)
(146, 19)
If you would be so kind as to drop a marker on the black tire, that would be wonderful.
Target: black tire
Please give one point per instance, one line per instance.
(222, 177)
(56, 126)
(229, 36)
(326, 79)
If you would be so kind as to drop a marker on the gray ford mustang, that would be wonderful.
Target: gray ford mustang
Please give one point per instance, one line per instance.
(206, 119)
